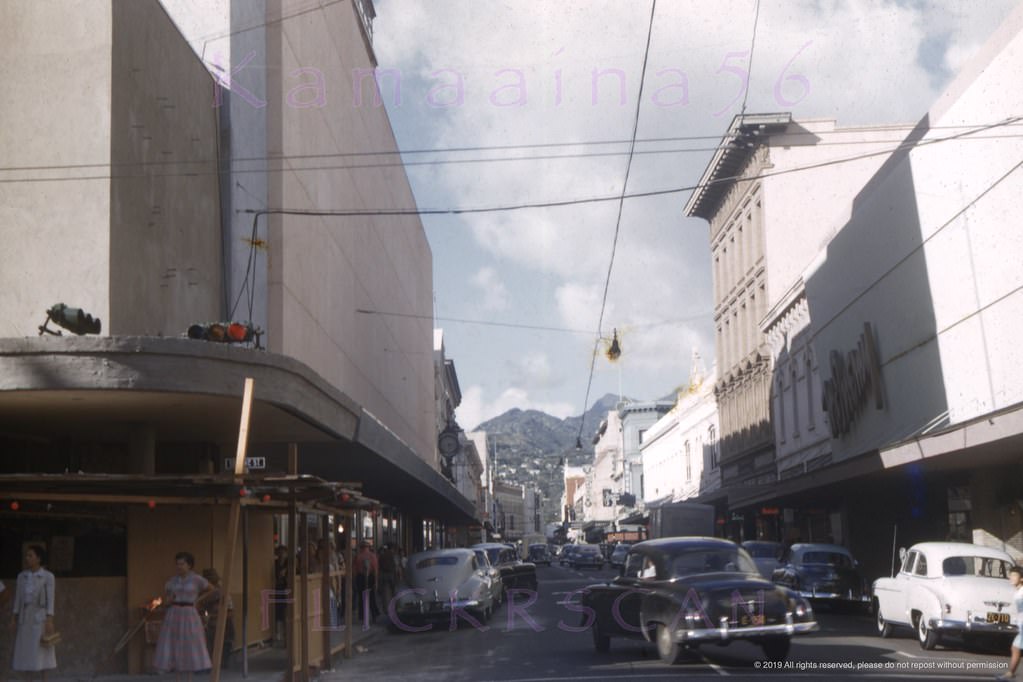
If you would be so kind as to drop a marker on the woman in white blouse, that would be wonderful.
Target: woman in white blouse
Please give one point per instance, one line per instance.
(33, 616)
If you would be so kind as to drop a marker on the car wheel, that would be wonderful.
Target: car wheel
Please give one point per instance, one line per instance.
(601, 642)
(669, 651)
(884, 628)
(928, 637)
(776, 649)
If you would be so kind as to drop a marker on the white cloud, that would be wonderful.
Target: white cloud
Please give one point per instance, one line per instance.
(476, 409)
(495, 293)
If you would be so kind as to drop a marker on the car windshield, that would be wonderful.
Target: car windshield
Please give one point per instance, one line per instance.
(481, 556)
(836, 559)
(492, 554)
(983, 567)
(762, 550)
(728, 560)
(622, 549)
(589, 550)
(437, 561)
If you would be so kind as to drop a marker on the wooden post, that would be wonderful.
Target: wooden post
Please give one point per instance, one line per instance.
(292, 550)
(245, 592)
(349, 577)
(325, 582)
(232, 531)
(303, 533)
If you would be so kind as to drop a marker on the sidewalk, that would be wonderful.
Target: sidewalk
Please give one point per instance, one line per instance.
(265, 665)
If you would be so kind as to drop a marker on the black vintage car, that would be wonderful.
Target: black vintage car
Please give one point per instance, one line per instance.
(515, 573)
(823, 573)
(682, 592)
(539, 554)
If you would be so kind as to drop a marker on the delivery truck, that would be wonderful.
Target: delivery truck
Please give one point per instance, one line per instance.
(681, 519)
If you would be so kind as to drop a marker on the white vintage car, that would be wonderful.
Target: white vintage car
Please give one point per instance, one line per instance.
(947, 588)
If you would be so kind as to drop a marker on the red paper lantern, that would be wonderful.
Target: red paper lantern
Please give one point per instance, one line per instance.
(15, 505)
(151, 504)
(242, 492)
(266, 498)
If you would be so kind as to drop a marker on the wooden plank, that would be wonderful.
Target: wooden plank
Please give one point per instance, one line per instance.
(326, 616)
(232, 534)
(304, 535)
(349, 576)
(292, 568)
(243, 429)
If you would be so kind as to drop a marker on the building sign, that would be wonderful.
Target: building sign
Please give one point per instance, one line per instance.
(250, 462)
(855, 379)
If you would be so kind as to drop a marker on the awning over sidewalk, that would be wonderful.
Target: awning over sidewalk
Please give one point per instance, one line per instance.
(53, 387)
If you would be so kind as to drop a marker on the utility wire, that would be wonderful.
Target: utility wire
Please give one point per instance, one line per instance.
(749, 66)
(513, 325)
(457, 150)
(618, 221)
(628, 195)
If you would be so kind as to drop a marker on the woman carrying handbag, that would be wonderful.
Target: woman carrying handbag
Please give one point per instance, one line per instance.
(33, 617)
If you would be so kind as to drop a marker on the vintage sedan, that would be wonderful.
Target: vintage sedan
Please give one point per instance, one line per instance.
(588, 556)
(496, 583)
(619, 553)
(515, 573)
(683, 592)
(539, 554)
(567, 553)
(438, 581)
(823, 573)
(948, 589)
(766, 555)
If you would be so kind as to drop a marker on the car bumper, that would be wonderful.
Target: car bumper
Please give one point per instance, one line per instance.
(728, 634)
(850, 597)
(438, 608)
(945, 625)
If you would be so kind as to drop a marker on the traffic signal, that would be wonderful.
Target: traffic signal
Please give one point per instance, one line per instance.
(222, 332)
(75, 320)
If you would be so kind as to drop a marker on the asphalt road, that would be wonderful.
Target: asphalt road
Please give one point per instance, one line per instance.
(534, 643)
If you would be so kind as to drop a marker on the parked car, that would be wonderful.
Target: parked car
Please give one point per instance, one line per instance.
(766, 555)
(515, 573)
(437, 581)
(824, 573)
(948, 589)
(567, 553)
(618, 554)
(682, 592)
(588, 556)
(539, 554)
(497, 584)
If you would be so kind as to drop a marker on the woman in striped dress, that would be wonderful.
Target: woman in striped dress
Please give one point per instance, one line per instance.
(181, 647)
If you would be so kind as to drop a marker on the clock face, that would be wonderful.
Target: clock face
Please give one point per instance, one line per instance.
(447, 443)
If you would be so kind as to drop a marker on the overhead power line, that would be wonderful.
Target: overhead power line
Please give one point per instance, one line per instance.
(140, 165)
(618, 220)
(628, 195)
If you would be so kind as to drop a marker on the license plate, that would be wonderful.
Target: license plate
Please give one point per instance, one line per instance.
(1000, 618)
(745, 620)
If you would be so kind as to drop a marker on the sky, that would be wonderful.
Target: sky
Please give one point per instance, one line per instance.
(499, 73)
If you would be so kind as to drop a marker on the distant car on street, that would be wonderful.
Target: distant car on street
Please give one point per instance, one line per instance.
(619, 553)
(539, 554)
(588, 556)
(823, 573)
(515, 573)
(948, 589)
(566, 554)
(766, 554)
(682, 592)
